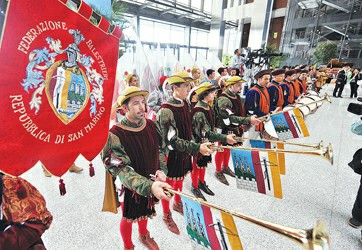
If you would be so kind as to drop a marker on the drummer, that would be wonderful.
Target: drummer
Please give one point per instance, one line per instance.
(257, 101)
(275, 90)
(288, 88)
(295, 81)
(303, 85)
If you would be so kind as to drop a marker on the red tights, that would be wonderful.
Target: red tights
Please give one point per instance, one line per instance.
(222, 159)
(176, 185)
(126, 231)
(197, 174)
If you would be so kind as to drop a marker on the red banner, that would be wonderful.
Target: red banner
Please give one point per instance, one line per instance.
(58, 73)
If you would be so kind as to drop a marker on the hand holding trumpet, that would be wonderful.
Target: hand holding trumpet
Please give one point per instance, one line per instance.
(205, 148)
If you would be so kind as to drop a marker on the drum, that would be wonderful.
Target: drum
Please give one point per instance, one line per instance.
(311, 92)
(308, 102)
(305, 110)
(269, 128)
(316, 98)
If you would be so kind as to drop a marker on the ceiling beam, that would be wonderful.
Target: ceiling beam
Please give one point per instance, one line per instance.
(146, 5)
(334, 5)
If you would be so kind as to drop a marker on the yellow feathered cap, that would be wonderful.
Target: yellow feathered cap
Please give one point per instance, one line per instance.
(175, 79)
(130, 92)
(234, 79)
(128, 78)
(184, 75)
(204, 86)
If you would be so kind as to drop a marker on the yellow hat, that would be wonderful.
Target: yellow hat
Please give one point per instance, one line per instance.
(194, 70)
(234, 79)
(128, 78)
(130, 92)
(204, 86)
(175, 79)
(184, 75)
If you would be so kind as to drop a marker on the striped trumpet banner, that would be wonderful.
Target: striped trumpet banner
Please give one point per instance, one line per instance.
(289, 124)
(203, 227)
(257, 171)
(272, 145)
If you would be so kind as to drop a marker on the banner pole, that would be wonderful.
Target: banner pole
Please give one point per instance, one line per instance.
(315, 238)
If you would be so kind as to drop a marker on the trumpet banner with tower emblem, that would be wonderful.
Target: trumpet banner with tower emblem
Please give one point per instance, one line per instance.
(257, 171)
(272, 145)
(57, 84)
(209, 228)
(289, 124)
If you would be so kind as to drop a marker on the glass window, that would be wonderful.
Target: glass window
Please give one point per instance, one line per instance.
(207, 6)
(177, 35)
(162, 33)
(353, 53)
(202, 52)
(184, 2)
(202, 38)
(196, 4)
(193, 40)
(199, 38)
(146, 31)
(193, 53)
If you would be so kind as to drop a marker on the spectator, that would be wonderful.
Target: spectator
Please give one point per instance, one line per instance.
(155, 99)
(237, 62)
(210, 75)
(353, 82)
(195, 73)
(132, 80)
(341, 81)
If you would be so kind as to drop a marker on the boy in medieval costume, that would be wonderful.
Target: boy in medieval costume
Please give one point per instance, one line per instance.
(230, 120)
(133, 154)
(174, 120)
(203, 123)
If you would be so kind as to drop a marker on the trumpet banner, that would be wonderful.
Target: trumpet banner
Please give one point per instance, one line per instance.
(272, 145)
(203, 227)
(257, 171)
(289, 124)
(57, 85)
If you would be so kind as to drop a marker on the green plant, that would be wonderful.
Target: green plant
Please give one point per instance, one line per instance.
(226, 59)
(117, 18)
(324, 52)
(275, 61)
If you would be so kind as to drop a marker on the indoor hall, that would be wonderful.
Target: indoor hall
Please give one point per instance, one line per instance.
(312, 190)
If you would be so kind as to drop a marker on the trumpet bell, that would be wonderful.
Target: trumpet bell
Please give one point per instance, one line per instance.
(320, 237)
(329, 153)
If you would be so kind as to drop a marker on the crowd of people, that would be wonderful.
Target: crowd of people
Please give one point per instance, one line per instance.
(188, 114)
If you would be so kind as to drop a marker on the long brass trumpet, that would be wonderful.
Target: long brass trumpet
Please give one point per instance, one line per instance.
(326, 153)
(316, 238)
(316, 145)
(325, 98)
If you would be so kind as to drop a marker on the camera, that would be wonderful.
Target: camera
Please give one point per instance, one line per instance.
(355, 108)
(259, 57)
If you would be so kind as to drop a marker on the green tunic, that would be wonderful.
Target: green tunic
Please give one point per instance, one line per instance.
(223, 103)
(201, 128)
(165, 118)
(129, 178)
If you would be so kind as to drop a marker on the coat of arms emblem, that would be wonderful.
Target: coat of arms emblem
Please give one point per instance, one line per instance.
(69, 84)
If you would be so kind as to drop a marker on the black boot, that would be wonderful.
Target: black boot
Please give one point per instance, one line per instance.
(205, 188)
(197, 193)
(221, 177)
(228, 171)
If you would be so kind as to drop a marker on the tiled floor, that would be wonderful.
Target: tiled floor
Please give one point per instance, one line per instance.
(312, 188)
